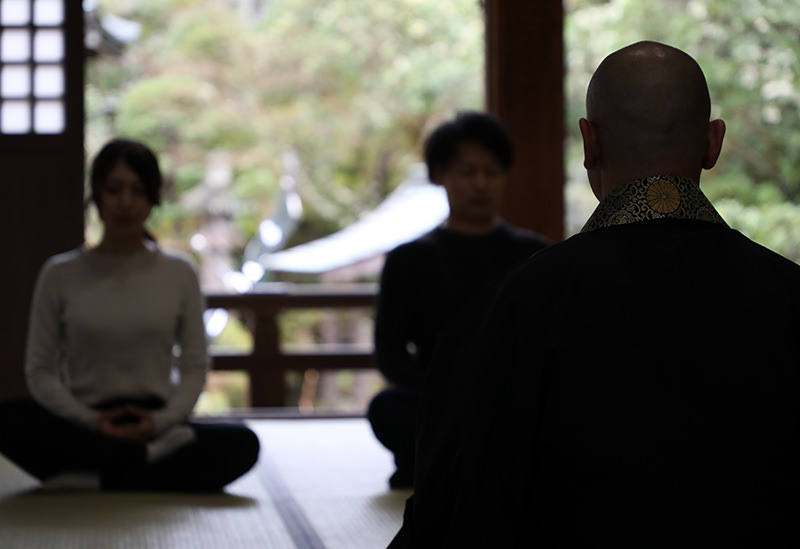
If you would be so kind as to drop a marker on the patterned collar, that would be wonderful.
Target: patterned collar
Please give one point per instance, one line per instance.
(658, 197)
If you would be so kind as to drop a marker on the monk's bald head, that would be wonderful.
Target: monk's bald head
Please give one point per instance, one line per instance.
(649, 103)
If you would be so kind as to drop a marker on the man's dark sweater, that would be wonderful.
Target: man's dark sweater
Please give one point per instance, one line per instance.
(424, 285)
(427, 281)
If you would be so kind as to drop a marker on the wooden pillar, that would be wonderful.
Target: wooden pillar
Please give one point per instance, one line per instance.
(524, 88)
(267, 381)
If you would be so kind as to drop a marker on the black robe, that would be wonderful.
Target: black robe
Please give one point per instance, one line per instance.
(635, 385)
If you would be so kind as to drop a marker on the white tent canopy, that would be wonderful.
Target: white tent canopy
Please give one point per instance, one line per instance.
(414, 208)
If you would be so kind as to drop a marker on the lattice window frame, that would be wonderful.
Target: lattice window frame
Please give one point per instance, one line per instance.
(37, 107)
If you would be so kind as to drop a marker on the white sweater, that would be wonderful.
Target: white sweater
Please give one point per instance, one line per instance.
(107, 326)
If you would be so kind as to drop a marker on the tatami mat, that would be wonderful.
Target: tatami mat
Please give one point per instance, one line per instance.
(319, 484)
(356, 508)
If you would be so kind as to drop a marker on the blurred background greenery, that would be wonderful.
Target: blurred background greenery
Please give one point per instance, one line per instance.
(353, 87)
(750, 53)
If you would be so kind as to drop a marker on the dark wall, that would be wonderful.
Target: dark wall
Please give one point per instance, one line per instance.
(41, 212)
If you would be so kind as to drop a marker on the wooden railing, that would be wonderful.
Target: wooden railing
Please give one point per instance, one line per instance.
(269, 361)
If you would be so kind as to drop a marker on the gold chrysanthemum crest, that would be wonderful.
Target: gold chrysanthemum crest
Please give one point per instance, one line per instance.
(663, 196)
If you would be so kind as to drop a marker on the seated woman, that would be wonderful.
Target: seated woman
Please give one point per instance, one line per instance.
(116, 357)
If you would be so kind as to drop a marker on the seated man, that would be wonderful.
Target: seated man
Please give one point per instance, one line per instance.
(636, 385)
(425, 282)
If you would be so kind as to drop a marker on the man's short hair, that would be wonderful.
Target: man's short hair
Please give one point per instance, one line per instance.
(481, 128)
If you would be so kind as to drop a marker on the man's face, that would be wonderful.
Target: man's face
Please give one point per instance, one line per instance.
(474, 182)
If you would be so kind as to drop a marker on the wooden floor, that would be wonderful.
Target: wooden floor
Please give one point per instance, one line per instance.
(319, 483)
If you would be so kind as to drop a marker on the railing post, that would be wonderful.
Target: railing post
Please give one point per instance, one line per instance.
(267, 383)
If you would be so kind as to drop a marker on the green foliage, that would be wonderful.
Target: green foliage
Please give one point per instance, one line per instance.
(255, 189)
(224, 392)
(738, 187)
(235, 337)
(774, 225)
(157, 109)
(204, 37)
(750, 52)
(171, 226)
(187, 176)
(301, 325)
(352, 86)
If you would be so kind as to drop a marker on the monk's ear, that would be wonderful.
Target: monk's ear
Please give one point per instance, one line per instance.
(716, 133)
(591, 150)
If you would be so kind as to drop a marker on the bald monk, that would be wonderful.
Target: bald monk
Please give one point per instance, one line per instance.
(637, 385)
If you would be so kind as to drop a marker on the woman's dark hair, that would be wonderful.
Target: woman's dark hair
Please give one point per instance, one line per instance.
(481, 128)
(137, 156)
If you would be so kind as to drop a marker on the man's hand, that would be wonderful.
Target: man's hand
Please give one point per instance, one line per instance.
(127, 423)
